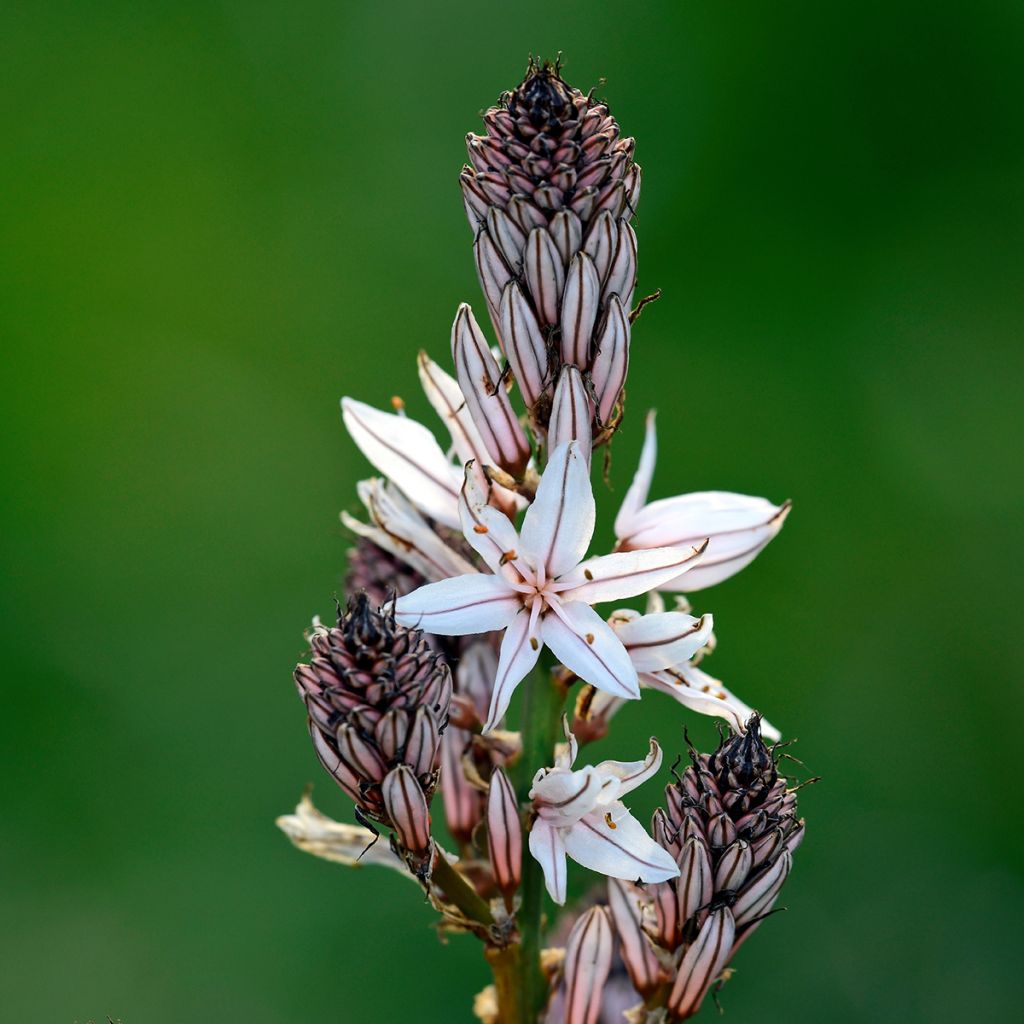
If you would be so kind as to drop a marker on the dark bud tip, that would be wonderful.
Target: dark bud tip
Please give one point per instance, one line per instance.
(746, 757)
(542, 96)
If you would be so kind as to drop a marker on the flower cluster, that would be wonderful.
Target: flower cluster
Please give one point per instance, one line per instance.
(472, 578)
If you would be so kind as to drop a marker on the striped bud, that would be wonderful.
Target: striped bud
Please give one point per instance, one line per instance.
(611, 360)
(571, 413)
(580, 305)
(624, 903)
(704, 960)
(588, 961)
(407, 808)
(504, 835)
(524, 344)
(486, 398)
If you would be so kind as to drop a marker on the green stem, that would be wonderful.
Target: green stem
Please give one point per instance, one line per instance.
(460, 892)
(544, 700)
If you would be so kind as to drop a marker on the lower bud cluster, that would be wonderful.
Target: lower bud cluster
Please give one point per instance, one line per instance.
(378, 699)
(731, 826)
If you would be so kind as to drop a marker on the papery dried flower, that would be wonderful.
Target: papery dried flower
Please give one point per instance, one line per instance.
(550, 191)
(378, 697)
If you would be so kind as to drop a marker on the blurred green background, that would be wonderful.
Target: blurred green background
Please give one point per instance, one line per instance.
(217, 218)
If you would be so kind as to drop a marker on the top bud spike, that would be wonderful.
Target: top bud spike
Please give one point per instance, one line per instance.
(550, 179)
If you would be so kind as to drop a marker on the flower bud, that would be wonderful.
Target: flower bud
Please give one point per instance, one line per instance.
(571, 413)
(703, 962)
(504, 834)
(524, 344)
(588, 961)
(486, 398)
(611, 360)
(579, 310)
(624, 903)
(407, 809)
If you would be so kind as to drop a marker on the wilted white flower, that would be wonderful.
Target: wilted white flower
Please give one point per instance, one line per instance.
(580, 814)
(540, 590)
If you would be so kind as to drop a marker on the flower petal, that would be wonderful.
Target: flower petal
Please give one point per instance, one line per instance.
(474, 603)
(565, 796)
(488, 531)
(636, 496)
(662, 640)
(631, 774)
(627, 573)
(558, 526)
(548, 849)
(587, 645)
(615, 844)
(519, 653)
(695, 689)
(408, 455)
(737, 526)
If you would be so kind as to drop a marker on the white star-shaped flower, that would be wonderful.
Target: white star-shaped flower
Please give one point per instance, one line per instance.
(580, 814)
(540, 590)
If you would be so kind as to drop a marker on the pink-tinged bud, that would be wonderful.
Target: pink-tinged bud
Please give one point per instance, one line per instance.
(602, 243)
(579, 310)
(474, 198)
(622, 275)
(703, 962)
(767, 847)
(407, 809)
(360, 756)
(545, 274)
(571, 413)
(588, 961)
(611, 360)
(733, 867)
(493, 271)
(524, 344)
(508, 236)
(463, 803)
(624, 902)
(567, 232)
(721, 831)
(695, 884)
(504, 835)
(488, 402)
(665, 927)
(757, 899)
(390, 734)
(421, 748)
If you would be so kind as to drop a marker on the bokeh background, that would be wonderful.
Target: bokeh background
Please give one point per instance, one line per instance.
(219, 217)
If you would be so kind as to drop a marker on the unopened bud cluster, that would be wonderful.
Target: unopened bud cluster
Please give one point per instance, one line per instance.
(731, 825)
(550, 192)
(378, 698)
